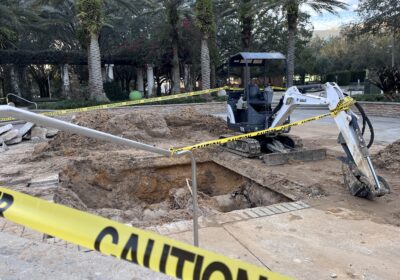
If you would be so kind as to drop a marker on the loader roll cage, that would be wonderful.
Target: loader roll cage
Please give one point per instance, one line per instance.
(253, 59)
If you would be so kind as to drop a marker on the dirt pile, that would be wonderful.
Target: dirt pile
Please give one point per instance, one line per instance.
(389, 157)
(139, 125)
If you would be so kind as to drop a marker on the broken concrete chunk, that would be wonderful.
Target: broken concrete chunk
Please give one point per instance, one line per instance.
(14, 141)
(9, 135)
(25, 128)
(3, 146)
(52, 180)
(5, 128)
(38, 133)
(51, 132)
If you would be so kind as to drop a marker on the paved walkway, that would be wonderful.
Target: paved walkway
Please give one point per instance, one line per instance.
(289, 238)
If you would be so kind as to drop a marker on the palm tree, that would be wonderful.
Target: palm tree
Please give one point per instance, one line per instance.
(14, 16)
(172, 7)
(173, 10)
(292, 9)
(91, 16)
(206, 23)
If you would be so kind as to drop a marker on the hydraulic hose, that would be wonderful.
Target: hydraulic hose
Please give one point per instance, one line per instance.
(365, 122)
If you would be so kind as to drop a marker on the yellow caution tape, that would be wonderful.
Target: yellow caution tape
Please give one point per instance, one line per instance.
(147, 249)
(6, 119)
(125, 103)
(343, 105)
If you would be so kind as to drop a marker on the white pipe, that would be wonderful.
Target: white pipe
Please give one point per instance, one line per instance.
(8, 111)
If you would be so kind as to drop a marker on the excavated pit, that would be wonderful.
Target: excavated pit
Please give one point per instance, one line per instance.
(151, 192)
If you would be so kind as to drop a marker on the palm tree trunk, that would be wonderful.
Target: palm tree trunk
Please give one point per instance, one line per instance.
(66, 86)
(95, 75)
(205, 63)
(14, 81)
(150, 80)
(393, 49)
(188, 77)
(176, 75)
(292, 17)
(290, 57)
(213, 76)
(139, 80)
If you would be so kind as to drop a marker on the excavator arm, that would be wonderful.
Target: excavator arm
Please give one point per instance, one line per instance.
(358, 171)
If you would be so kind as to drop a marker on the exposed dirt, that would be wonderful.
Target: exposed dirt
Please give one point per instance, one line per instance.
(147, 126)
(389, 157)
(149, 192)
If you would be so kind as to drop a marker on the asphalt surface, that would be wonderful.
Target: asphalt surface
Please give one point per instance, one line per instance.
(387, 130)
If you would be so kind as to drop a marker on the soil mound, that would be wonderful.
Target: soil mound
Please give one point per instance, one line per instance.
(389, 157)
(139, 125)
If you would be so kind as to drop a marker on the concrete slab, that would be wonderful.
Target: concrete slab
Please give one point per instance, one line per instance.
(21, 258)
(9, 135)
(5, 128)
(218, 240)
(312, 244)
(44, 181)
(25, 128)
(14, 141)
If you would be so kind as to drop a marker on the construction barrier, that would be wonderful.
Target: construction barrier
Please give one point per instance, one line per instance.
(126, 103)
(147, 249)
(344, 104)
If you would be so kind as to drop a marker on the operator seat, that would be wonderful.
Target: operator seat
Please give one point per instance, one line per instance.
(254, 93)
(257, 98)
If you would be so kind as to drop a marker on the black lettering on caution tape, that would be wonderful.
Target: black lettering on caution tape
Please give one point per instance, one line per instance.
(200, 271)
(6, 201)
(147, 249)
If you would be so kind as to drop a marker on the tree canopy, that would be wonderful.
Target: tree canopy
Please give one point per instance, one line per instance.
(186, 42)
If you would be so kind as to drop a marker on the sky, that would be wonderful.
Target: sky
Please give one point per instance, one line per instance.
(327, 21)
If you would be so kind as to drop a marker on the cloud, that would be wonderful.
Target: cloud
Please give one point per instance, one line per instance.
(326, 20)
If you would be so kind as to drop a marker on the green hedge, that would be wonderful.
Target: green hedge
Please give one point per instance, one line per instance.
(374, 98)
(114, 92)
(344, 78)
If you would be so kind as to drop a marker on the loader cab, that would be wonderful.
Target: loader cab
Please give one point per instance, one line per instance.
(249, 109)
